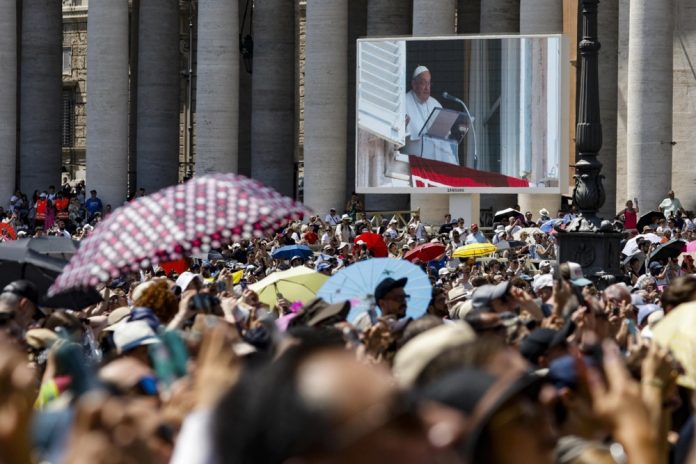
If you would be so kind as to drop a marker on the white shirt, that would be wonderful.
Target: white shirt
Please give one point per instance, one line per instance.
(670, 206)
(326, 238)
(418, 113)
(333, 220)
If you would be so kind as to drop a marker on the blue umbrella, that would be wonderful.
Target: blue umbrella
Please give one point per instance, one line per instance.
(357, 284)
(548, 226)
(290, 251)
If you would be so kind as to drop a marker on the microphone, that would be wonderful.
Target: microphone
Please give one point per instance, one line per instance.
(449, 97)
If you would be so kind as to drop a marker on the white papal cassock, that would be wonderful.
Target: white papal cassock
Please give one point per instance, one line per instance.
(418, 113)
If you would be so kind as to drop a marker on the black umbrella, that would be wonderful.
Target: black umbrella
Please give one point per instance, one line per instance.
(58, 247)
(503, 215)
(72, 299)
(671, 249)
(19, 260)
(648, 219)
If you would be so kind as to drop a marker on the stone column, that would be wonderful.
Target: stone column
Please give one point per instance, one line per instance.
(608, 26)
(8, 99)
(387, 18)
(40, 112)
(107, 100)
(217, 93)
(326, 98)
(244, 123)
(273, 95)
(649, 100)
(622, 117)
(500, 16)
(468, 16)
(684, 111)
(158, 95)
(431, 19)
(540, 17)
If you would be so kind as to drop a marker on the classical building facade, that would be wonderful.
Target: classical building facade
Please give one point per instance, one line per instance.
(143, 93)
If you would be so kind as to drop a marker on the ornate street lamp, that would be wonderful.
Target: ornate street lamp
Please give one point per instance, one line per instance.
(588, 240)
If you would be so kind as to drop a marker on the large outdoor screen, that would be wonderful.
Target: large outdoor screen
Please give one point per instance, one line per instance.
(484, 114)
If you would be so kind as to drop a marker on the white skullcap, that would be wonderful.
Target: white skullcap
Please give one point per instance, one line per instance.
(419, 70)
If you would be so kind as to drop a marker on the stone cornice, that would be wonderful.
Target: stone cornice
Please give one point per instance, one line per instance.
(74, 13)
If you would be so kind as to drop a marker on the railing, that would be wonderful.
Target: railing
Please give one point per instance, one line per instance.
(375, 218)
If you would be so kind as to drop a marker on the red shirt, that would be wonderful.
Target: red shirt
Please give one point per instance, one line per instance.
(630, 219)
(310, 237)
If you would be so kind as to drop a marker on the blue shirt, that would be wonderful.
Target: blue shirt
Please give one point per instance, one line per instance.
(93, 205)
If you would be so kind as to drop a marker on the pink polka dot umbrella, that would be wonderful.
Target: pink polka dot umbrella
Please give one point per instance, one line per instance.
(203, 213)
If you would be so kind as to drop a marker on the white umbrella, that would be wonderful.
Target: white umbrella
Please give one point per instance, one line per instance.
(631, 247)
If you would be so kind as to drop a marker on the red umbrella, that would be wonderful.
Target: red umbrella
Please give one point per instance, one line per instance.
(426, 252)
(190, 218)
(375, 243)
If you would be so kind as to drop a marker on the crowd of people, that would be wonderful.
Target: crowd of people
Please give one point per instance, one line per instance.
(517, 358)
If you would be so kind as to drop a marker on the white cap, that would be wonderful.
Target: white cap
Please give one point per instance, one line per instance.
(419, 70)
(133, 334)
(185, 279)
(544, 280)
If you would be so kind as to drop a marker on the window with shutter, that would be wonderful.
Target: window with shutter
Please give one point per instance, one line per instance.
(381, 89)
(68, 135)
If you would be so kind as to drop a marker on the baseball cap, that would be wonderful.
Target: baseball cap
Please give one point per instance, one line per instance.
(185, 279)
(387, 285)
(443, 271)
(655, 265)
(563, 372)
(543, 281)
(484, 294)
(576, 276)
(133, 334)
(537, 343)
(24, 289)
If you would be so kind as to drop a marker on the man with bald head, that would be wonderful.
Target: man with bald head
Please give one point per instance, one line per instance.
(419, 105)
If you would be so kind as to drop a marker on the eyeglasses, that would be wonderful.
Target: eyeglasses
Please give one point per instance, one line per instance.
(5, 318)
(399, 297)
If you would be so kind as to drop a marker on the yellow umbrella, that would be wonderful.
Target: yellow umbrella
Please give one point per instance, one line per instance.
(296, 284)
(677, 331)
(472, 250)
